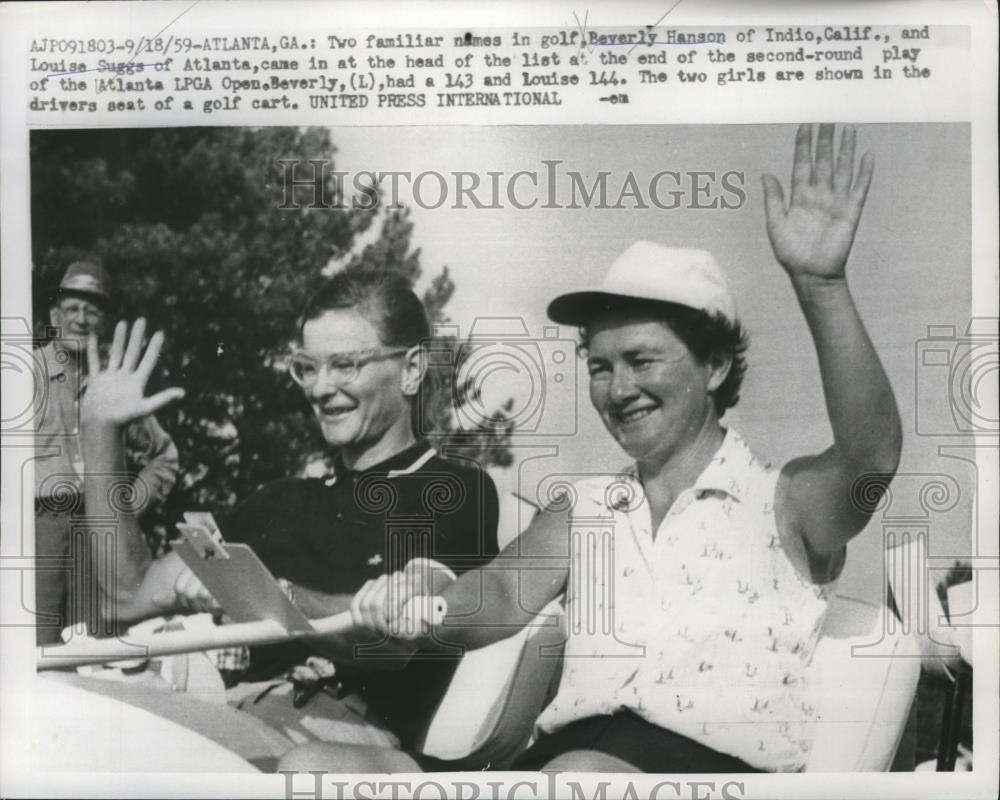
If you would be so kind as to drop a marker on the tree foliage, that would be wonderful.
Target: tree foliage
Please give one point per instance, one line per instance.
(189, 223)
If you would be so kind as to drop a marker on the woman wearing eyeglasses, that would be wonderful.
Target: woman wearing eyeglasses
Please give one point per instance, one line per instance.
(390, 499)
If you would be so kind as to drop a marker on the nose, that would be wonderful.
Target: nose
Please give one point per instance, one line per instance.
(83, 318)
(325, 385)
(622, 388)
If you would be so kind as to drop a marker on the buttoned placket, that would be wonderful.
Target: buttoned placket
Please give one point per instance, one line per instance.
(333, 483)
(651, 550)
(334, 480)
(71, 425)
(637, 521)
(339, 513)
(640, 524)
(78, 463)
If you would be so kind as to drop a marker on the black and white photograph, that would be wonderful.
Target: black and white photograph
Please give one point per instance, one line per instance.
(651, 452)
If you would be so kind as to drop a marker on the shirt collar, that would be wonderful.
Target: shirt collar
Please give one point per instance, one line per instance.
(725, 473)
(402, 463)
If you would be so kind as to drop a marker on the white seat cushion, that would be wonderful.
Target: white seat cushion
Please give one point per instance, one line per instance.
(865, 691)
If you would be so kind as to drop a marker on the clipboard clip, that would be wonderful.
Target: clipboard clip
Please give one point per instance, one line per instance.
(204, 543)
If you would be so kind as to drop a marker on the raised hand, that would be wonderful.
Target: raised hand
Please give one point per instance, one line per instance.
(116, 393)
(813, 235)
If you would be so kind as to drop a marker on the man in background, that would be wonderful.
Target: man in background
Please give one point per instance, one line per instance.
(78, 308)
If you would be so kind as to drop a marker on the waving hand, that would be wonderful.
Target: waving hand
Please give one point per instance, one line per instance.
(812, 236)
(116, 393)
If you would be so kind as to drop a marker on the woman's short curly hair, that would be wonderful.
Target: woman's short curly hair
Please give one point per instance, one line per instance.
(703, 334)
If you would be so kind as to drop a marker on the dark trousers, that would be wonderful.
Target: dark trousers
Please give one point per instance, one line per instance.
(53, 571)
(629, 737)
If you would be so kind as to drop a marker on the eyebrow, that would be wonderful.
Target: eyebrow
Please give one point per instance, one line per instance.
(630, 353)
(337, 354)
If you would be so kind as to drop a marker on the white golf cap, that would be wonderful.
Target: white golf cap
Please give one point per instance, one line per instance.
(649, 271)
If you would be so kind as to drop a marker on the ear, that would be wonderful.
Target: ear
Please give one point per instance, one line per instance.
(414, 368)
(719, 364)
(54, 316)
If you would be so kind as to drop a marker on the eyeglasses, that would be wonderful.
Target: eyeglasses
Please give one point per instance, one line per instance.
(81, 308)
(343, 367)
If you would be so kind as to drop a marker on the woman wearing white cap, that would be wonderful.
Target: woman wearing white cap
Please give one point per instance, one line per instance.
(720, 566)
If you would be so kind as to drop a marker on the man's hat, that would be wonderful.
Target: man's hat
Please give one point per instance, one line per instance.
(86, 280)
(648, 271)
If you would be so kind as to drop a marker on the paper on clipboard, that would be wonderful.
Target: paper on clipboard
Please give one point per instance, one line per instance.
(238, 579)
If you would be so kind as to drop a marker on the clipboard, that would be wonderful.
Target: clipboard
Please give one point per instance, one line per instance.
(236, 577)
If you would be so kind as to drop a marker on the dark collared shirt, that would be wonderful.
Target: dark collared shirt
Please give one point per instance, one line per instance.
(332, 535)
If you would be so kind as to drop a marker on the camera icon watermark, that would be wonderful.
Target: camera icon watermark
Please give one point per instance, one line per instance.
(956, 380)
(23, 360)
(503, 378)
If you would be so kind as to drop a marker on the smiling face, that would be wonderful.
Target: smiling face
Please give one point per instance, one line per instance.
(649, 390)
(76, 318)
(368, 418)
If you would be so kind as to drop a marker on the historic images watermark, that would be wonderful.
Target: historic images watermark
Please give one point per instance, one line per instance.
(319, 785)
(315, 184)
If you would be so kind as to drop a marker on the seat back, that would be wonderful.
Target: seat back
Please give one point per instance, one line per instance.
(489, 711)
(497, 692)
(864, 696)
